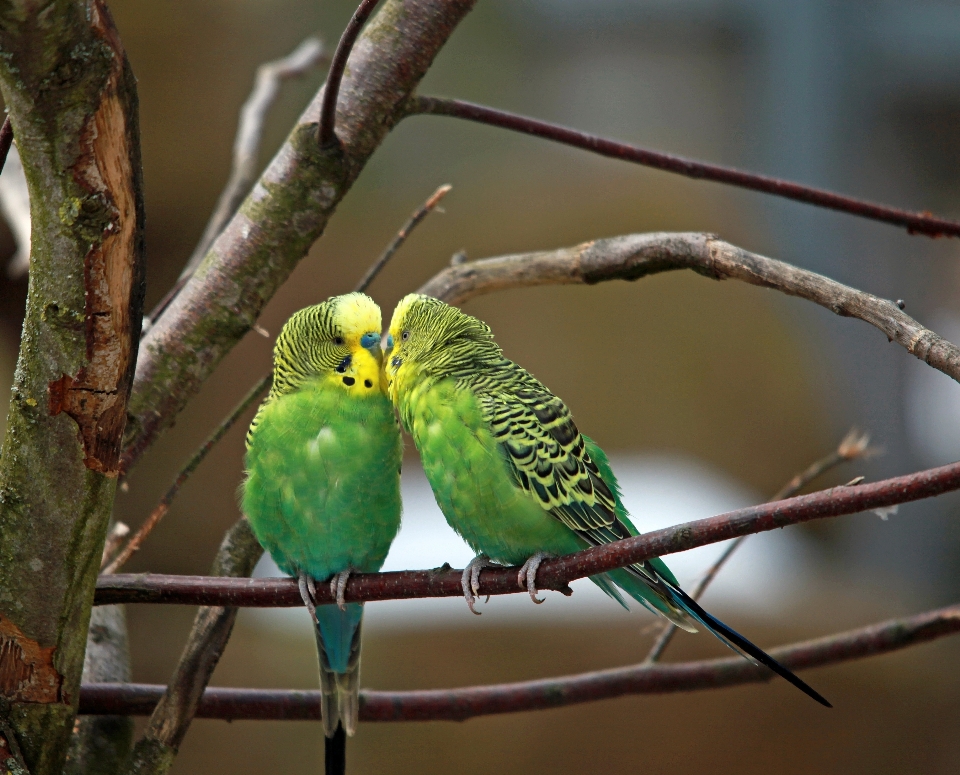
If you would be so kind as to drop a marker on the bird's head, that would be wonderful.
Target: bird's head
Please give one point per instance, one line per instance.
(430, 337)
(337, 341)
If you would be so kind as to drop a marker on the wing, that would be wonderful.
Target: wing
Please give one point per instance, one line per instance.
(547, 454)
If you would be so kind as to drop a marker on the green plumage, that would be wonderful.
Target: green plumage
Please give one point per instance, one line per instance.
(510, 470)
(322, 491)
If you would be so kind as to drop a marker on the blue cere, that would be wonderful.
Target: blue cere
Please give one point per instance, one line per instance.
(370, 340)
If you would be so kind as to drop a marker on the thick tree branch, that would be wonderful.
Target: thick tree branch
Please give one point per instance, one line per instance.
(638, 255)
(915, 223)
(72, 102)
(286, 211)
(462, 704)
(554, 574)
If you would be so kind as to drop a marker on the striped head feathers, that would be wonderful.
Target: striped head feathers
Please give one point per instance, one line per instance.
(430, 337)
(337, 341)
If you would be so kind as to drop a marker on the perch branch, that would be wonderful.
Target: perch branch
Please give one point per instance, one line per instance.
(915, 223)
(854, 445)
(328, 110)
(554, 574)
(469, 702)
(634, 256)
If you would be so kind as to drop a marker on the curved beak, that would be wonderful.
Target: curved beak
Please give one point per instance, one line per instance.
(371, 343)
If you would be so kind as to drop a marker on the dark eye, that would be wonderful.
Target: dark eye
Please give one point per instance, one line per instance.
(338, 340)
(405, 336)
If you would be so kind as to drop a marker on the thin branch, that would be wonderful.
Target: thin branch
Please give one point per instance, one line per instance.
(328, 110)
(554, 574)
(422, 212)
(634, 256)
(185, 473)
(854, 445)
(470, 702)
(246, 150)
(6, 138)
(915, 223)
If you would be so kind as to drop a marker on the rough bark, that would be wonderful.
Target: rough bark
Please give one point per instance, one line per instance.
(72, 101)
(285, 213)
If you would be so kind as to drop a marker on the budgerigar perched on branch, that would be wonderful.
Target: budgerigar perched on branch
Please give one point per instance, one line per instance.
(511, 472)
(323, 476)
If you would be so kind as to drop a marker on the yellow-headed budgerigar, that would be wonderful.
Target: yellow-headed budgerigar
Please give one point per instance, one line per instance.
(512, 473)
(322, 491)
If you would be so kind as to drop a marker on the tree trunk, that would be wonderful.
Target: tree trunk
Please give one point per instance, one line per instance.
(72, 101)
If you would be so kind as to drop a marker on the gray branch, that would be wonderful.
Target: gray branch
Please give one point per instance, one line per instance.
(638, 255)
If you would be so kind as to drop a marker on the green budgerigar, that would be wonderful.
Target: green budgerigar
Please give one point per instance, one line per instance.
(322, 490)
(510, 470)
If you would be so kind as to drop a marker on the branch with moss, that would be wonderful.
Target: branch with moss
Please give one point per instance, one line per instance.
(72, 103)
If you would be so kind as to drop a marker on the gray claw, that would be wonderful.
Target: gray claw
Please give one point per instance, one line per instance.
(470, 580)
(308, 592)
(527, 576)
(337, 586)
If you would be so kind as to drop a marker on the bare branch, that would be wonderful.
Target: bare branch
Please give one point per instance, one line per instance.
(554, 574)
(637, 255)
(422, 212)
(185, 473)
(462, 704)
(854, 445)
(328, 110)
(914, 223)
(284, 213)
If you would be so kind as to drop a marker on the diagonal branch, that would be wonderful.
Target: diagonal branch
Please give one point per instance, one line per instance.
(470, 702)
(915, 223)
(283, 215)
(554, 574)
(638, 255)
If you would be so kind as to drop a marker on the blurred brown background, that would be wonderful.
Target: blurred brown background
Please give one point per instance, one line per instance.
(857, 95)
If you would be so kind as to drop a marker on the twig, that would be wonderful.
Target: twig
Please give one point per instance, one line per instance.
(6, 138)
(637, 255)
(113, 542)
(246, 150)
(554, 574)
(185, 473)
(401, 237)
(171, 717)
(461, 704)
(854, 445)
(915, 223)
(328, 109)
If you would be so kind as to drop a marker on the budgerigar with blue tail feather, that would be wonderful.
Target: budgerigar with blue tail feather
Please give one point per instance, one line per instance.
(512, 473)
(322, 491)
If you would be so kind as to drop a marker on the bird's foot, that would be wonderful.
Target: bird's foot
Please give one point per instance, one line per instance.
(527, 576)
(337, 586)
(308, 591)
(470, 580)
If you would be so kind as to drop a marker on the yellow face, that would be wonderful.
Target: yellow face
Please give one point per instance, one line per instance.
(396, 340)
(358, 320)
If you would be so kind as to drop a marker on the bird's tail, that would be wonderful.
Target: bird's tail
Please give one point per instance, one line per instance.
(338, 649)
(660, 592)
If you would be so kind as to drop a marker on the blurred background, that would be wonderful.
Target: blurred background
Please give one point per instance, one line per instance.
(708, 396)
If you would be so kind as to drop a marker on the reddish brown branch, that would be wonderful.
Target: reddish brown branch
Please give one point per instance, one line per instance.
(915, 223)
(461, 704)
(328, 109)
(554, 574)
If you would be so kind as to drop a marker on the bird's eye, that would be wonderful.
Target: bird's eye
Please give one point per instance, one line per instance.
(405, 336)
(338, 340)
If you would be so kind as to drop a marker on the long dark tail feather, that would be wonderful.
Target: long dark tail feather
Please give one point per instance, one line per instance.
(740, 644)
(335, 753)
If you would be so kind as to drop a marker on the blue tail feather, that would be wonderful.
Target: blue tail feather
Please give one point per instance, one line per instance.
(336, 630)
